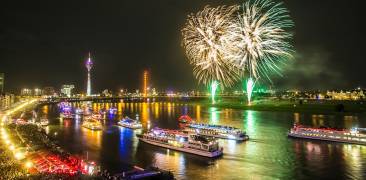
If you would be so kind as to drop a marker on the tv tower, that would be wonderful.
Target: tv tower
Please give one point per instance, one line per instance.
(88, 65)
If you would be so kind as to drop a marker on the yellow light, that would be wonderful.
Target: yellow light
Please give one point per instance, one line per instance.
(7, 142)
(19, 156)
(11, 147)
(28, 164)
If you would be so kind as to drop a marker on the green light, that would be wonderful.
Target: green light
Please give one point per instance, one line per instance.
(214, 115)
(214, 87)
(250, 122)
(250, 87)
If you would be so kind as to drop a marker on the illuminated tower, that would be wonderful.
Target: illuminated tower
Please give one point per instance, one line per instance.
(88, 65)
(145, 83)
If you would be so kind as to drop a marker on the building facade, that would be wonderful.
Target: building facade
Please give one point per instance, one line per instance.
(6, 100)
(2, 83)
(49, 91)
(67, 90)
(26, 92)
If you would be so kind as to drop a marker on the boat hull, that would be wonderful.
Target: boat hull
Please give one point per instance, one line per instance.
(220, 136)
(326, 139)
(191, 151)
(130, 127)
(245, 138)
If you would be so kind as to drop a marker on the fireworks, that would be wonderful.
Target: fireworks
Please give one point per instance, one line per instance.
(214, 87)
(203, 39)
(225, 43)
(257, 40)
(250, 86)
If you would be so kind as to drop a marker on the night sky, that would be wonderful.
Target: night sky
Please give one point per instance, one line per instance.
(44, 43)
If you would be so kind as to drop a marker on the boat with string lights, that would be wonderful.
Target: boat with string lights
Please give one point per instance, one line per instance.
(353, 136)
(185, 119)
(94, 116)
(79, 111)
(92, 124)
(130, 123)
(67, 115)
(217, 131)
(181, 141)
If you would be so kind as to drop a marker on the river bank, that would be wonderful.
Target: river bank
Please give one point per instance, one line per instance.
(306, 106)
(28, 152)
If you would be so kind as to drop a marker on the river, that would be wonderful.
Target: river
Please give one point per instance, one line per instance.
(269, 154)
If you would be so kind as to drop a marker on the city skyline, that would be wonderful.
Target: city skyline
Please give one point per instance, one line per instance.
(172, 89)
(115, 35)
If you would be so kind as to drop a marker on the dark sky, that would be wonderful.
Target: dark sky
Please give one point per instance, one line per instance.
(45, 43)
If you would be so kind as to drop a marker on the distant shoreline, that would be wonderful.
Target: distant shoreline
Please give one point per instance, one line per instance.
(324, 107)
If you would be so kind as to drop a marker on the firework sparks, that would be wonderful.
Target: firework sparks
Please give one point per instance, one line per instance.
(203, 39)
(214, 87)
(225, 43)
(250, 86)
(257, 40)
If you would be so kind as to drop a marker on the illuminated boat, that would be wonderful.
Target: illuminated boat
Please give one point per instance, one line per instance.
(113, 111)
(92, 125)
(79, 111)
(185, 119)
(354, 136)
(181, 141)
(67, 115)
(97, 116)
(102, 112)
(93, 117)
(44, 122)
(130, 123)
(88, 111)
(217, 131)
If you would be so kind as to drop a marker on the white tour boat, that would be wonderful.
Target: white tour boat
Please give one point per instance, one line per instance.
(181, 141)
(217, 131)
(130, 123)
(354, 136)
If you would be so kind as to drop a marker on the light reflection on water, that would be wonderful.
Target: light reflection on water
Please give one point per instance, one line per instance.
(268, 154)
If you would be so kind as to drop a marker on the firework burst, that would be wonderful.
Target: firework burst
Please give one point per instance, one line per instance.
(257, 40)
(204, 39)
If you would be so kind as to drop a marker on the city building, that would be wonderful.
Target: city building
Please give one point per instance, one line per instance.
(123, 92)
(49, 91)
(37, 92)
(89, 65)
(2, 82)
(154, 93)
(26, 92)
(67, 90)
(357, 94)
(6, 100)
(107, 93)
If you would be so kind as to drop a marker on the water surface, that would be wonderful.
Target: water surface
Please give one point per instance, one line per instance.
(269, 154)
